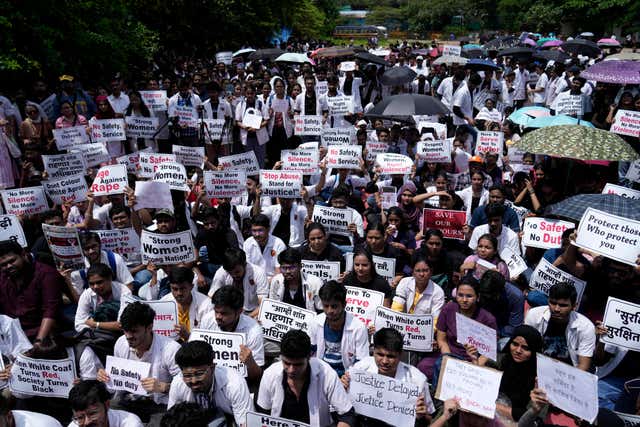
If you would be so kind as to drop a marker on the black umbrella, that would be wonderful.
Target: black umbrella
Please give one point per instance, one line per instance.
(473, 53)
(551, 55)
(481, 65)
(397, 76)
(502, 43)
(407, 105)
(581, 47)
(371, 58)
(516, 51)
(270, 54)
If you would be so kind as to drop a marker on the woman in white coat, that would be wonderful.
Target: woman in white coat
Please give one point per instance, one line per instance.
(280, 107)
(474, 195)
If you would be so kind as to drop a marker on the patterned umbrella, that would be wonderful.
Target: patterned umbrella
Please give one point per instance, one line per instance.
(577, 142)
(620, 72)
(575, 206)
(624, 56)
(502, 43)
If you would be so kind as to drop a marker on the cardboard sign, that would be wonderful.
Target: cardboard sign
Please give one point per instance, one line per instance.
(255, 419)
(42, 377)
(325, 270)
(278, 317)
(149, 163)
(515, 263)
(141, 127)
(173, 174)
(609, 235)
(475, 387)
(155, 100)
(283, 184)
(363, 303)
(417, 329)
(340, 105)
(126, 375)
(546, 275)
(449, 222)
(437, 151)
(622, 320)
(169, 249)
(247, 162)
(544, 233)
(335, 221)
(11, 229)
(383, 398)
(303, 160)
(111, 179)
(388, 197)
(308, 125)
(385, 267)
(107, 130)
(451, 50)
(482, 337)
(166, 317)
(226, 347)
(337, 136)
(72, 189)
(490, 142)
(374, 148)
(571, 105)
(64, 244)
(252, 119)
(69, 137)
(626, 123)
(123, 241)
(214, 128)
(63, 165)
(568, 388)
(189, 156)
(153, 195)
(633, 173)
(225, 184)
(25, 201)
(224, 57)
(394, 164)
(93, 154)
(187, 116)
(321, 88)
(621, 191)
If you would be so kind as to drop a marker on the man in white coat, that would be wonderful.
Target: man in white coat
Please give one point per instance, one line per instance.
(90, 401)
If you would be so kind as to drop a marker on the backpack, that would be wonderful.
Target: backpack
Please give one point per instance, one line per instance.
(112, 264)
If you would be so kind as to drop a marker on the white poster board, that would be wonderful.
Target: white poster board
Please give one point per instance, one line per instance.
(417, 329)
(334, 220)
(546, 275)
(277, 318)
(166, 317)
(374, 148)
(448, 49)
(363, 303)
(340, 105)
(244, 161)
(490, 142)
(155, 100)
(621, 191)
(482, 337)
(255, 419)
(626, 122)
(71, 136)
(189, 156)
(226, 347)
(225, 184)
(282, 184)
(172, 174)
(544, 233)
(633, 173)
(149, 163)
(338, 136)
(63, 165)
(435, 151)
(308, 125)
(622, 320)
(344, 156)
(394, 164)
(153, 195)
(42, 377)
(141, 127)
(110, 179)
(324, 270)
(161, 249)
(64, 244)
(127, 375)
(11, 229)
(515, 263)
(94, 154)
(303, 160)
(24, 201)
(107, 130)
(70, 189)
(123, 241)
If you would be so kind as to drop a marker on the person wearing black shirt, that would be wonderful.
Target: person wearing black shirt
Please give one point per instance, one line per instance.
(364, 276)
(215, 240)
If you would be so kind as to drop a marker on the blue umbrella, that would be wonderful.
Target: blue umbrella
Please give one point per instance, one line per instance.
(471, 46)
(574, 207)
(544, 121)
(481, 64)
(524, 115)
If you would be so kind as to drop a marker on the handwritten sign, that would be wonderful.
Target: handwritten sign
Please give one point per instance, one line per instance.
(174, 248)
(149, 163)
(308, 125)
(450, 223)
(622, 320)
(321, 88)
(451, 50)
(252, 118)
(126, 375)
(189, 156)
(64, 244)
(225, 184)
(374, 148)
(546, 275)
(71, 136)
(224, 57)
(155, 100)
(417, 329)
(334, 220)
(42, 377)
(244, 161)
(626, 123)
(111, 179)
(482, 337)
(93, 154)
(568, 388)
(571, 105)
(339, 105)
(337, 136)
(278, 317)
(226, 347)
(11, 229)
(255, 419)
(609, 235)
(490, 142)
(515, 263)
(25, 201)
(325, 270)
(108, 130)
(394, 164)
(303, 160)
(282, 184)
(173, 174)
(123, 241)
(71, 189)
(141, 127)
(166, 317)
(362, 303)
(621, 191)
(544, 233)
(63, 165)
(436, 151)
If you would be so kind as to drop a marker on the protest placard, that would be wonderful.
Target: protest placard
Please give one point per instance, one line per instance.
(188, 156)
(573, 390)
(25, 201)
(570, 105)
(417, 329)
(609, 235)
(633, 173)
(225, 184)
(515, 263)
(149, 163)
(385, 267)
(283, 184)
(621, 191)
(450, 223)
(42, 377)
(252, 118)
(337, 136)
(255, 419)
(173, 248)
(278, 317)
(71, 136)
(105, 130)
(226, 347)
(308, 125)
(475, 387)
(247, 162)
(334, 220)
(11, 229)
(383, 398)
(374, 148)
(132, 161)
(225, 57)
(311, 145)
(394, 164)
(93, 154)
(64, 244)
(155, 100)
(63, 165)
(71, 189)
(126, 375)
(340, 105)
(321, 88)
(544, 233)
(388, 197)
(166, 314)
(362, 303)
(325, 270)
(440, 129)
(173, 174)
(626, 122)
(123, 241)
(141, 127)
(629, 420)
(622, 320)
(490, 142)
(214, 128)
(482, 337)
(187, 116)
(448, 49)
(303, 160)
(546, 275)
(436, 151)
(153, 195)
(111, 179)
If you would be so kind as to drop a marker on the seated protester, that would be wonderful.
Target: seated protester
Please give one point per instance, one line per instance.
(497, 194)
(418, 294)
(387, 351)
(364, 275)
(339, 200)
(248, 277)
(485, 258)
(190, 414)
(502, 299)
(376, 245)
(287, 221)
(262, 248)
(121, 219)
(294, 287)
(227, 316)
(215, 239)
(568, 335)
(13, 340)
(219, 390)
(492, 169)
(140, 343)
(20, 418)
(248, 198)
(474, 195)
(463, 180)
(397, 231)
(343, 177)
(40, 248)
(317, 247)
(443, 260)
(506, 237)
(233, 217)
(303, 388)
(340, 339)
(90, 400)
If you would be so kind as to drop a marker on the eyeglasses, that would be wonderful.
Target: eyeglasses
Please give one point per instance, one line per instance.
(89, 416)
(195, 375)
